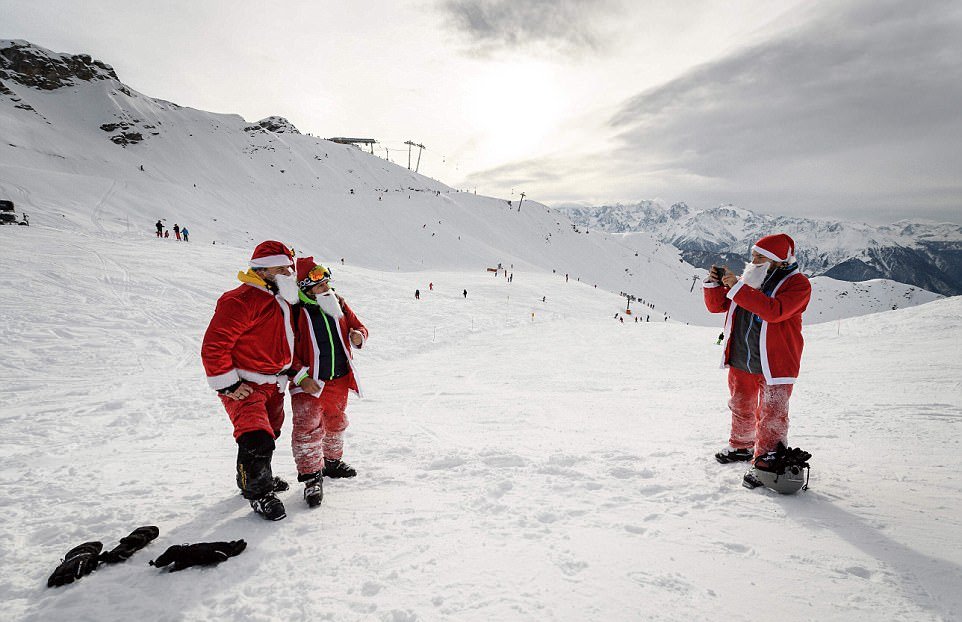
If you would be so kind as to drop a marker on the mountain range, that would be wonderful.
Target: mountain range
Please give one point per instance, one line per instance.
(921, 253)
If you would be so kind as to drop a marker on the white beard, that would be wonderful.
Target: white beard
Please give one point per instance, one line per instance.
(329, 304)
(286, 287)
(754, 274)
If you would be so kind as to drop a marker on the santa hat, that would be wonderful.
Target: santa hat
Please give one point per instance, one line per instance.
(310, 274)
(271, 254)
(778, 247)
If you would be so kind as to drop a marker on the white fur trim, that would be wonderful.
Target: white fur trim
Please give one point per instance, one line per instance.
(258, 378)
(710, 284)
(731, 293)
(222, 381)
(763, 342)
(288, 329)
(271, 261)
(771, 255)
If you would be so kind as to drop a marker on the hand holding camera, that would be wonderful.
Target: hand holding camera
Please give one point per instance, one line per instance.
(717, 273)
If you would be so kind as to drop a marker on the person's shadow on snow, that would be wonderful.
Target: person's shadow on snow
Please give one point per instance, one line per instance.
(930, 582)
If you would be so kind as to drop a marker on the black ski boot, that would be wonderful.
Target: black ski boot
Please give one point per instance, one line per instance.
(313, 488)
(336, 469)
(280, 485)
(751, 480)
(730, 454)
(269, 506)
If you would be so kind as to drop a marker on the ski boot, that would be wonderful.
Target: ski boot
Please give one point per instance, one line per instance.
(336, 469)
(280, 485)
(751, 481)
(313, 488)
(269, 506)
(730, 454)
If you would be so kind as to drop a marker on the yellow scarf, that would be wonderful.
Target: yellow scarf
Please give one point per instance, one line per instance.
(251, 277)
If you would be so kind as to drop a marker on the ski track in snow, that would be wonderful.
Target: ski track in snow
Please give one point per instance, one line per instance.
(511, 468)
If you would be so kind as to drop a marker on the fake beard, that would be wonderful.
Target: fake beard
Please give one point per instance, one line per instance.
(286, 287)
(329, 304)
(754, 274)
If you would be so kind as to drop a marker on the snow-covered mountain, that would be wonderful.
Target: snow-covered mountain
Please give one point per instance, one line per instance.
(83, 151)
(925, 254)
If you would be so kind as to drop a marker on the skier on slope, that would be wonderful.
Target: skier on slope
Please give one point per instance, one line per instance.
(763, 349)
(248, 350)
(327, 328)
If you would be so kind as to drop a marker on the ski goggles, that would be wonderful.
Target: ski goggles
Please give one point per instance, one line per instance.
(319, 274)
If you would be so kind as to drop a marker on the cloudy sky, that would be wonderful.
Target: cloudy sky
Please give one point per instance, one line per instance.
(844, 109)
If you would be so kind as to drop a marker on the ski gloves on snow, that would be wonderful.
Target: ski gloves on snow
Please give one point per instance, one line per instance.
(78, 562)
(84, 559)
(200, 554)
(138, 539)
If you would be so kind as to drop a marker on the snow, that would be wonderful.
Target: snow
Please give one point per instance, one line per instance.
(510, 468)
(518, 459)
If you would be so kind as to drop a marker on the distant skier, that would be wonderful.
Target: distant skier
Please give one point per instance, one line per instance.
(465, 293)
(184, 232)
(177, 232)
(166, 233)
(721, 337)
(417, 294)
(431, 286)
(160, 229)
(247, 352)
(327, 328)
(764, 315)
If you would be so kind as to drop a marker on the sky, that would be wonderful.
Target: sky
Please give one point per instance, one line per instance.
(846, 109)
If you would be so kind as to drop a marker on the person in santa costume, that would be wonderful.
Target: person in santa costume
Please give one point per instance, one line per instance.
(248, 355)
(327, 329)
(762, 346)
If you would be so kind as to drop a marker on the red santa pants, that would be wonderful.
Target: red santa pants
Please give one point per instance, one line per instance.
(319, 424)
(759, 411)
(263, 409)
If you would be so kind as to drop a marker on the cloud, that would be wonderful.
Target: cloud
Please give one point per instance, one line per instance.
(861, 100)
(569, 27)
(853, 108)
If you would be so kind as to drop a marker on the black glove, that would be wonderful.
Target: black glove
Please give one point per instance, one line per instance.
(200, 554)
(138, 539)
(78, 562)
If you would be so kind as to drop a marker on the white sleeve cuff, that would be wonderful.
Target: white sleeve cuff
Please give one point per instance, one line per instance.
(709, 284)
(223, 381)
(300, 375)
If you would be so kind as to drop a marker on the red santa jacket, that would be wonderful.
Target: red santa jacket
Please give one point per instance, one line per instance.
(306, 344)
(250, 337)
(780, 343)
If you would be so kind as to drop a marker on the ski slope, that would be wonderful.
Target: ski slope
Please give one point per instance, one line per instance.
(234, 183)
(518, 459)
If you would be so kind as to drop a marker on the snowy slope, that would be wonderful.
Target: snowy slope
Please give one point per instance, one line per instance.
(235, 183)
(554, 467)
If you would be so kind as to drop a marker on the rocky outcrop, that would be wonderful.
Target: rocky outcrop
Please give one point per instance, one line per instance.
(276, 125)
(37, 67)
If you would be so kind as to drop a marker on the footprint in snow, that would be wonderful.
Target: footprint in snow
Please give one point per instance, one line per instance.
(448, 462)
